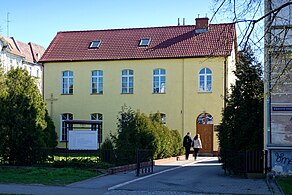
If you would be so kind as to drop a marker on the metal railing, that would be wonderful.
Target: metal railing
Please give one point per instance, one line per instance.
(145, 162)
(243, 162)
(140, 160)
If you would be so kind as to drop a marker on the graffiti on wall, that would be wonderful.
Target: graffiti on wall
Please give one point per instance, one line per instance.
(282, 162)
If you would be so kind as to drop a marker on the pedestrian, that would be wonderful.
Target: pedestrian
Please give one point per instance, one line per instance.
(197, 144)
(187, 143)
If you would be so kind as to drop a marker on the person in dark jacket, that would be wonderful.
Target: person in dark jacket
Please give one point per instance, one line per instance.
(187, 143)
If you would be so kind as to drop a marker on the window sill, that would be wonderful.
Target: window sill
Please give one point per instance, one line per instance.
(66, 93)
(204, 91)
(96, 93)
(126, 93)
(158, 93)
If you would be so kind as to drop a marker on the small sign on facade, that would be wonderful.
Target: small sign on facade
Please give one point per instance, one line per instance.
(282, 108)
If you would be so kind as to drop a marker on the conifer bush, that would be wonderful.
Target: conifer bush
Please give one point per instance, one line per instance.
(25, 129)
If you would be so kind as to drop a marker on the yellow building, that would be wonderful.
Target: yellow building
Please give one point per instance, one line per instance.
(183, 72)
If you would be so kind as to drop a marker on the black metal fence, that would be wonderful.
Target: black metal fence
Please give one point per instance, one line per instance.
(243, 162)
(140, 160)
(144, 162)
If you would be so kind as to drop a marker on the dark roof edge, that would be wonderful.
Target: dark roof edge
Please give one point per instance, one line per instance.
(91, 60)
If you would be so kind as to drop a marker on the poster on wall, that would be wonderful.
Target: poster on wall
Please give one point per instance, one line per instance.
(281, 126)
(82, 140)
(281, 162)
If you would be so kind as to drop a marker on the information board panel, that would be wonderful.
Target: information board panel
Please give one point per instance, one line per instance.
(82, 140)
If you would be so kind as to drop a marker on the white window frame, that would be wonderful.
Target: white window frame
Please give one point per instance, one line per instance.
(127, 87)
(203, 78)
(97, 117)
(163, 118)
(161, 79)
(63, 130)
(68, 80)
(98, 83)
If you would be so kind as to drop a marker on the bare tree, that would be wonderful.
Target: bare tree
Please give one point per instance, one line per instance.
(257, 22)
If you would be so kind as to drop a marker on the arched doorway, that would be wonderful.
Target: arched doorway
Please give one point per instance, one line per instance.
(204, 125)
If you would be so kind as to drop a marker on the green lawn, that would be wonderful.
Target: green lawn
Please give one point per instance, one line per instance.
(286, 184)
(46, 176)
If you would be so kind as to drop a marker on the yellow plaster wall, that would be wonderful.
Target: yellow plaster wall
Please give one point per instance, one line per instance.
(181, 103)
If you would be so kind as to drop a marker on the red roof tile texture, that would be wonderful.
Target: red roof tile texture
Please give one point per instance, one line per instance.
(166, 42)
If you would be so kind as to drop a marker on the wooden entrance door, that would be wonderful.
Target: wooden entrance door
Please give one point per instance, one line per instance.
(206, 135)
(205, 129)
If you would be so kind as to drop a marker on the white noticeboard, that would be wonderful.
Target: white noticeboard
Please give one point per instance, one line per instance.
(82, 140)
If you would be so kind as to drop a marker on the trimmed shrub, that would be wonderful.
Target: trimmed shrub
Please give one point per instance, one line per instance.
(138, 131)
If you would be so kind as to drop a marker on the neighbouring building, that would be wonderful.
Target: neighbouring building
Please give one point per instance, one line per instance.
(278, 87)
(183, 72)
(14, 53)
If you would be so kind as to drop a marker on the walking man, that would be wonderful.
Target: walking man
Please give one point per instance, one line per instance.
(187, 143)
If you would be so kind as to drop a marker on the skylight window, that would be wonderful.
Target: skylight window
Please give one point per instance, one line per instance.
(94, 44)
(144, 42)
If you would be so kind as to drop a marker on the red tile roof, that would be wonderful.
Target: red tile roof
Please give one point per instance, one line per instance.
(166, 42)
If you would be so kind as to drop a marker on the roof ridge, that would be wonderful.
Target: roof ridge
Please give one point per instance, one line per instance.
(137, 28)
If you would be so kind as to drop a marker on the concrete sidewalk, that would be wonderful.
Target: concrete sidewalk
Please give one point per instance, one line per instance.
(110, 184)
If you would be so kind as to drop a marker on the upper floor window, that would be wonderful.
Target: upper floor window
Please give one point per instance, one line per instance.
(205, 80)
(64, 129)
(97, 82)
(127, 81)
(159, 80)
(67, 82)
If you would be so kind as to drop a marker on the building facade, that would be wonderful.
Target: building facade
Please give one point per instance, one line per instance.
(182, 72)
(14, 53)
(278, 89)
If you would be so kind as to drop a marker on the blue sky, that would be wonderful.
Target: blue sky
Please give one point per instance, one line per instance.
(38, 21)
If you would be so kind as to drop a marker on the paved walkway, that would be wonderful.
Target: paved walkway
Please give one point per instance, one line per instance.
(113, 184)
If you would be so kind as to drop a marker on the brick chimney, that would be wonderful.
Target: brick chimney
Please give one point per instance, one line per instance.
(202, 25)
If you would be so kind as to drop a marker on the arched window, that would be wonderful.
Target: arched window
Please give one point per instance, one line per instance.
(97, 82)
(205, 118)
(127, 81)
(65, 116)
(67, 82)
(205, 80)
(163, 118)
(98, 128)
(159, 80)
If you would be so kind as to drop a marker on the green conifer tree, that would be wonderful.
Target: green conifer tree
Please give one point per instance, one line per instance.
(23, 120)
(241, 128)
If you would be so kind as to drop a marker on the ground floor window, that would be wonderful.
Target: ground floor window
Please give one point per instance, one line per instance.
(64, 135)
(97, 127)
